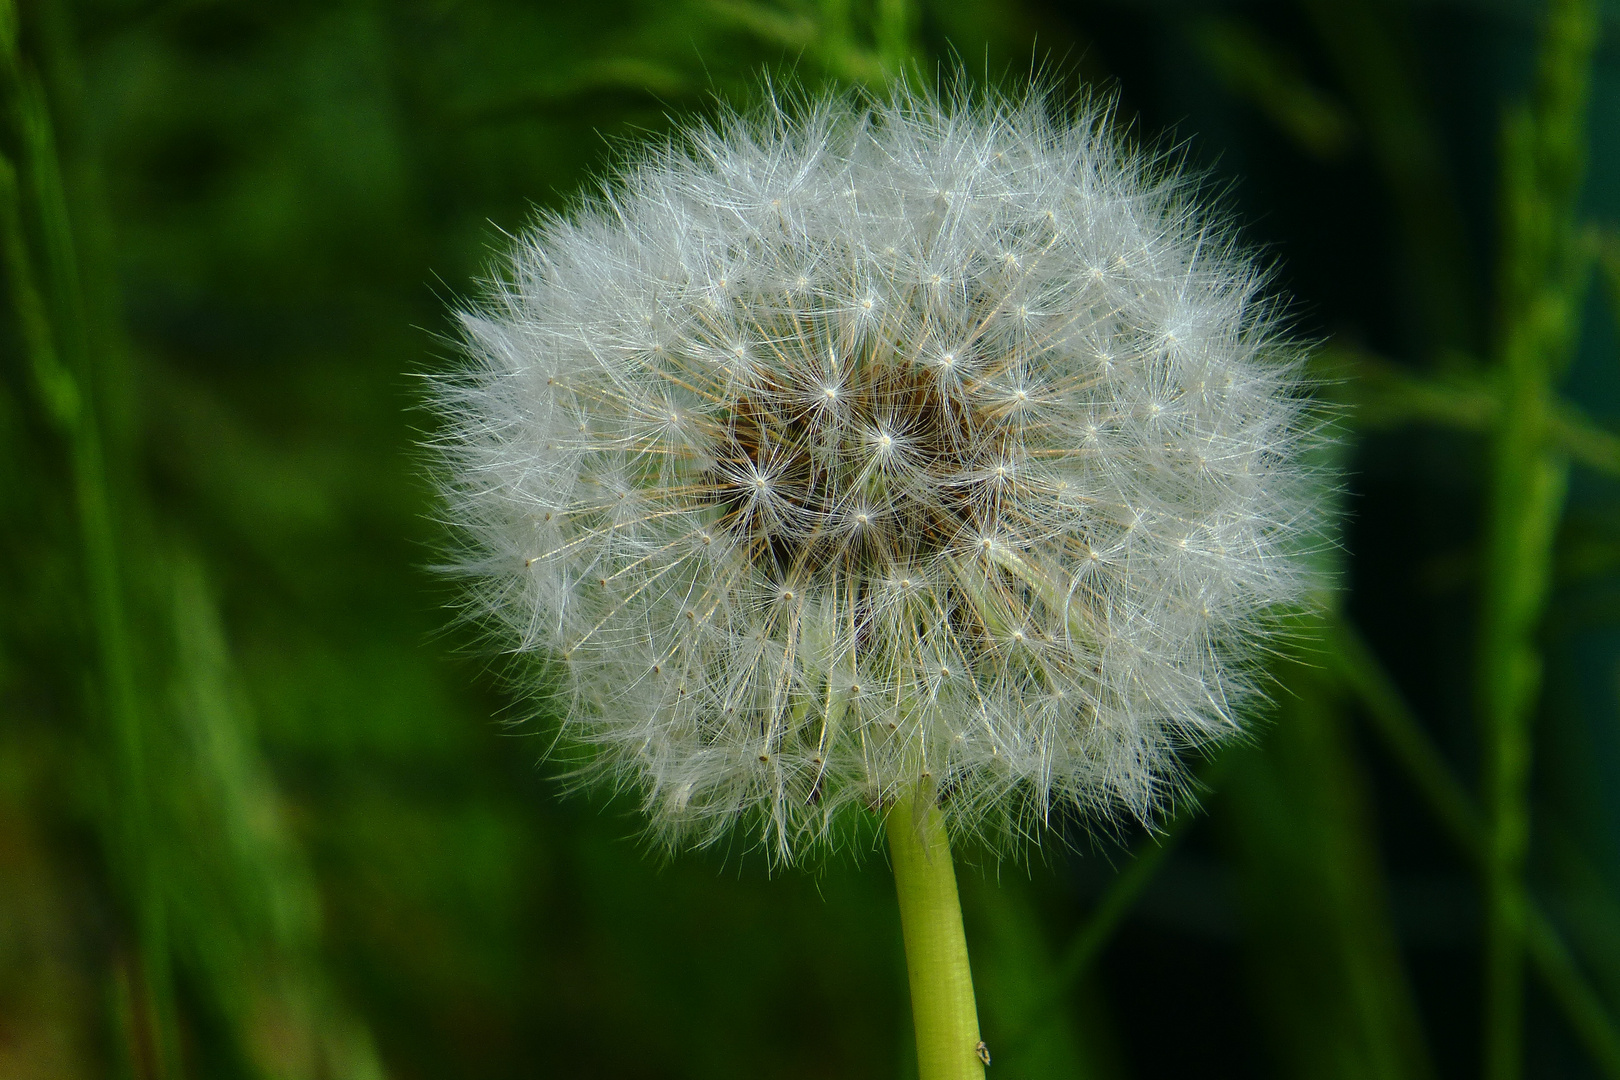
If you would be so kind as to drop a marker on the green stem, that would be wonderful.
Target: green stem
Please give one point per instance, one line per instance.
(942, 1006)
(1405, 738)
(1541, 285)
(55, 334)
(1393, 720)
(1382, 396)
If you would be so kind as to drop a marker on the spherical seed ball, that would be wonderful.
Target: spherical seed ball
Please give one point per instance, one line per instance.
(838, 448)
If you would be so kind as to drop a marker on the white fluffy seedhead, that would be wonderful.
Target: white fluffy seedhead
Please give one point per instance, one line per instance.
(834, 450)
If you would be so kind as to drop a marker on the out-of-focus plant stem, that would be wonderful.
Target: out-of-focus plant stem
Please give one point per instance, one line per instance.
(1126, 888)
(1321, 935)
(1255, 68)
(1543, 151)
(58, 350)
(1379, 75)
(942, 1004)
(1385, 395)
(1405, 738)
(1395, 723)
(1608, 244)
(1115, 904)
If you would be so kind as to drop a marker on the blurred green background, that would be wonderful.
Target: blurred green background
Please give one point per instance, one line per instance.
(264, 812)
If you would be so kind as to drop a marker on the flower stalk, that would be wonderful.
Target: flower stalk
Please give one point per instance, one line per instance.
(48, 295)
(942, 1006)
(1542, 282)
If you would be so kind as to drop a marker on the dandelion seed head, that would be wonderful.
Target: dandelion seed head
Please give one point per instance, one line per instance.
(872, 440)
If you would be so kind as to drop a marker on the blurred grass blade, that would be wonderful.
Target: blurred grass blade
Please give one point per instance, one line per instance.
(1609, 256)
(1383, 394)
(1403, 736)
(790, 30)
(1585, 443)
(1014, 968)
(1271, 79)
(1122, 893)
(1584, 1010)
(57, 389)
(63, 373)
(1380, 77)
(1116, 902)
(1543, 155)
(1320, 931)
(247, 910)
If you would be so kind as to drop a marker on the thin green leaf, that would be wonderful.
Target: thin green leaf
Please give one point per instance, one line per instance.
(1320, 932)
(1267, 76)
(1382, 394)
(1395, 723)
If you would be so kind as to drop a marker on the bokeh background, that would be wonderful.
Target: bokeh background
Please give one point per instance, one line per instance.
(265, 811)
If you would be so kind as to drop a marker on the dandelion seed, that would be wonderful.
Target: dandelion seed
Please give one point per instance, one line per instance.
(942, 443)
